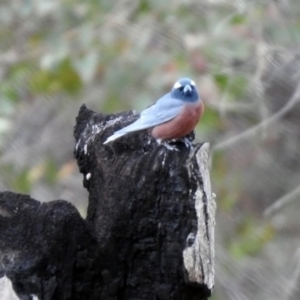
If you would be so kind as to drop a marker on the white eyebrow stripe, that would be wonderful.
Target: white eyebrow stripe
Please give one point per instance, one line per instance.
(193, 82)
(177, 85)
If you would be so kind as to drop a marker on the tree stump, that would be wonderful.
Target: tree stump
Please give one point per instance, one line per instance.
(149, 231)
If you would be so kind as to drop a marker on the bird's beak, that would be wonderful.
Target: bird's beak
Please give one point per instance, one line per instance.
(187, 89)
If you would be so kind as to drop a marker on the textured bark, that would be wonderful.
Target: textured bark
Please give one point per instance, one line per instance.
(149, 232)
(45, 248)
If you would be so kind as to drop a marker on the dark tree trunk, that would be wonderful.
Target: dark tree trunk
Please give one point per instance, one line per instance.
(149, 232)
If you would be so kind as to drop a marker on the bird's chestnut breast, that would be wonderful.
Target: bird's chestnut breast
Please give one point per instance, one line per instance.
(182, 124)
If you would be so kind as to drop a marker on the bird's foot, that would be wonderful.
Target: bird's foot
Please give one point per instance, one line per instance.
(187, 143)
(167, 145)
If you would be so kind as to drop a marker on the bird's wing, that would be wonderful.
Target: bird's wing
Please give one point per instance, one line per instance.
(163, 110)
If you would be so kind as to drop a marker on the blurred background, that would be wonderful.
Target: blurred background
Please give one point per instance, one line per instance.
(117, 55)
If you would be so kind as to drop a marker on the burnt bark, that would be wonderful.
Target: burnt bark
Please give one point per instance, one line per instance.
(149, 231)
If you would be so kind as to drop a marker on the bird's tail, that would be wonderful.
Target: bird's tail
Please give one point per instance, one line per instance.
(136, 126)
(115, 136)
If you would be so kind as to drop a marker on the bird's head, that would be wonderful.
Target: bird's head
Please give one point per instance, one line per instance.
(185, 89)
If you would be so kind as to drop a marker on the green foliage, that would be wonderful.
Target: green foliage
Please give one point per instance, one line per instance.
(210, 122)
(8, 92)
(21, 182)
(24, 180)
(144, 7)
(222, 81)
(10, 89)
(250, 238)
(50, 172)
(238, 19)
(62, 78)
(235, 87)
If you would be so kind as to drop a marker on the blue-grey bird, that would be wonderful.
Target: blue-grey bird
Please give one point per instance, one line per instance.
(171, 117)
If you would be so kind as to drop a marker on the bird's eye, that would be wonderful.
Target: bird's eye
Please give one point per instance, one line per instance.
(181, 88)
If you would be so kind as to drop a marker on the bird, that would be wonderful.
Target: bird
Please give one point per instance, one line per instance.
(171, 117)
